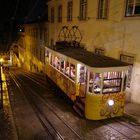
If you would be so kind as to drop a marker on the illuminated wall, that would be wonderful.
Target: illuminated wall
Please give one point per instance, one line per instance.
(35, 46)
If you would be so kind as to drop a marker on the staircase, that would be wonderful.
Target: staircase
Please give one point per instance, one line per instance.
(79, 106)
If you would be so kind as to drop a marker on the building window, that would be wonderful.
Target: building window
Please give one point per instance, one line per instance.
(83, 9)
(112, 82)
(99, 51)
(52, 15)
(60, 13)
(132, 8)
(103, 9)
(69, 11)
(130, 60)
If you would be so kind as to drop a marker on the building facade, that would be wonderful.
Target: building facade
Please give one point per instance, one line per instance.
(105, 27)
(31, 47)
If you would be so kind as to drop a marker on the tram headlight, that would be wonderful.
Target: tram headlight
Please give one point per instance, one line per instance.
(110, 102)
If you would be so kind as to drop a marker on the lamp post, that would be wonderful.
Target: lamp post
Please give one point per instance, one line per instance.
(1, 103)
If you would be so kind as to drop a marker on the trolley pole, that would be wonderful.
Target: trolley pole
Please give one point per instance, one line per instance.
(1, 101)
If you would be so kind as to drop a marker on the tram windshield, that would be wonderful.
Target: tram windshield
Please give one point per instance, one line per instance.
(97, 83)
(107, 82)
(112, 82)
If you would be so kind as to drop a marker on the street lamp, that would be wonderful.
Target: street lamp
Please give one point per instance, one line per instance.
(1, 59)
(1, 103)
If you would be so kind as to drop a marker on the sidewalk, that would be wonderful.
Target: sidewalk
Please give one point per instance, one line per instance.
(7, 110)
(132, 110)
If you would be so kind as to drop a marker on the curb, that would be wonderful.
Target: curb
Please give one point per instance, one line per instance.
(132, 117)
(7, 108)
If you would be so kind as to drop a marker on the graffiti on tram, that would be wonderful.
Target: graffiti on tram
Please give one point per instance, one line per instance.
(63, 82)
(108, 111)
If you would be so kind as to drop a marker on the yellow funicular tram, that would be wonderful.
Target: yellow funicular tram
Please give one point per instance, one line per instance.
(95, 83)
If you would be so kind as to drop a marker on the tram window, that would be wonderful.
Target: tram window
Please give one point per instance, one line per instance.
(56, 62)
(70, 70)
(97, 83)
(67, 68)
(91, 82)
(112, 82)
(62, 62)
(52, 59)
(47, 55)
(82, 77)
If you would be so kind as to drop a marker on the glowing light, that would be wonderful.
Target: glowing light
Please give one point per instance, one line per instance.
(110, 102)
(78, 66)
(1, 59)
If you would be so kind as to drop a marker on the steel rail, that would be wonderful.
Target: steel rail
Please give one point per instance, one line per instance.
(52, 109)
(127, 123)
(43, 120)
(109, 124)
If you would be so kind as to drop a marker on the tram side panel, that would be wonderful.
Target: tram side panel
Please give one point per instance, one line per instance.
(97, 107)
(65, 84)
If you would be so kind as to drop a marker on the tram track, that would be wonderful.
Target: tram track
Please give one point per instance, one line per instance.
(122, 127)
(118, 125)
(128, 124)
(43, 120)
(35, 80)
(40, 113)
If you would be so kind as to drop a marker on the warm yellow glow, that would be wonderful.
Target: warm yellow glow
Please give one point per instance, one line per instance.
(1, 59)
(6, 102)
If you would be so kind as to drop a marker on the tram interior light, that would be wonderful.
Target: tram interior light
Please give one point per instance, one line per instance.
(78, 68)
(110, 102)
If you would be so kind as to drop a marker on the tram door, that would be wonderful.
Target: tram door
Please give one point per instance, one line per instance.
(82, 80)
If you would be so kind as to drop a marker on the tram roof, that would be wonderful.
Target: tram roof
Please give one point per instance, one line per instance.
(89, 58)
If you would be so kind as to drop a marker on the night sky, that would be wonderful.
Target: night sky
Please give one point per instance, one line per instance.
(16, 12)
